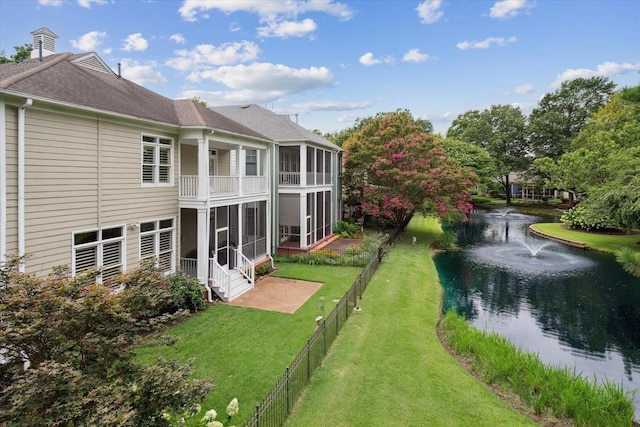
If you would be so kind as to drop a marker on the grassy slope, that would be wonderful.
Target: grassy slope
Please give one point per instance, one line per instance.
(388, 367)
(601, 242)
(244, 351)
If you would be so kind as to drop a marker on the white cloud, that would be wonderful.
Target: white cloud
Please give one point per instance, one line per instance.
(369, 60)
(414, 55)
(524, 89)
(50, 2)
(234, 27)
(508, 8)
(274, 79)
(178, 38)
(142, 73)
(430, 11)
(88, 3)
(135, 42)
(206, 55)
(267, 10)
(305, 107)
(285, 29)
(606, 69)
(107, 51)
(89, 41)
(217, 98)
(486, 43)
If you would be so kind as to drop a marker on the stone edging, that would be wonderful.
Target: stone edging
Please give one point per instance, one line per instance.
(557, 239)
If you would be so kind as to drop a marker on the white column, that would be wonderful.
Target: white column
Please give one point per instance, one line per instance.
(242, 166)
(240, 228)
(204, 216)
(203, 169)
(303, 220)
(303, 165)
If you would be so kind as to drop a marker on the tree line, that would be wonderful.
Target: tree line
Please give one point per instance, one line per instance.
(583, 138)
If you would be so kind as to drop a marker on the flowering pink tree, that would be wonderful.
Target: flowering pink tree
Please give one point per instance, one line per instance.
(402, 169)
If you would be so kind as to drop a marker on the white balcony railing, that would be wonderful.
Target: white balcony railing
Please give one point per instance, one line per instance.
(254, 184)
(223, 186)
(289, 178)
(188, 187)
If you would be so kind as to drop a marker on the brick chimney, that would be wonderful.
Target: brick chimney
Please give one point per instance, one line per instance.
(44, 43)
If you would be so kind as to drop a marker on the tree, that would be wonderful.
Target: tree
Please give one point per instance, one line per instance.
(561, 115)
(500, 130)
(76, 337)
(472, 157)
(395, 168)
(603, 163)
(22, 52)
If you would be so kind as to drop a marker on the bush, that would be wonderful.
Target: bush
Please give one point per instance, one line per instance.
(77, 337)
(186, 293)
(588, 218)
(347, 229)
(446, 241)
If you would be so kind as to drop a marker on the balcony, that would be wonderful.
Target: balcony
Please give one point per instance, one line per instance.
(223, 186)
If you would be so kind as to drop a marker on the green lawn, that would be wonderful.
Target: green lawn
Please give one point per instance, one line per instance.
(244, 351)
(388, 368)
(601, 242)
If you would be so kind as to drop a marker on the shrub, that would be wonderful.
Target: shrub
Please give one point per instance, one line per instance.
(186, 293)
(587, 218)
(77, 337)
(446, 241)
(347, 229)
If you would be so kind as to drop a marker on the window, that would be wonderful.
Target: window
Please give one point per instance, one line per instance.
(251, 163)
(157, 243)
(102, 248)
(156, 160)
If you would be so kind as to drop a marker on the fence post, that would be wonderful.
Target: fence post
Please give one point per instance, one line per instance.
(324, 338)
(287, 390)
(308, 361)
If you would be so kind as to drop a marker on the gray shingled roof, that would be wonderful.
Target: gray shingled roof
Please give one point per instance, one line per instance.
(63, 78)
(191, 113)
(277, 127)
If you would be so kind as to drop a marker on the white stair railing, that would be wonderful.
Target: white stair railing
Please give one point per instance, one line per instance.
(219, 278)
(245, 266)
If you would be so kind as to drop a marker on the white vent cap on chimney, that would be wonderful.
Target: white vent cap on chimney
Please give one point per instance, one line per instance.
(48, 39)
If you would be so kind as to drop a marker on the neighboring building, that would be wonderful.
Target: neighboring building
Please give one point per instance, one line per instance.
(309, 190)
(96, 171)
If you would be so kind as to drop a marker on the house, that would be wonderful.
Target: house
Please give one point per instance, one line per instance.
(97, 171)
(308, 187)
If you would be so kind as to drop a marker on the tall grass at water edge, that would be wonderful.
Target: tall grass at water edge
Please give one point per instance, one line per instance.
(557, 391)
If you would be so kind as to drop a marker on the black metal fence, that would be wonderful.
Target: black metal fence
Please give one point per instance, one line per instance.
(276, 406)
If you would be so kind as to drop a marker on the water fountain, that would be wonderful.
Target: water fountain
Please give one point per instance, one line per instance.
(523, 254)
(534, 245)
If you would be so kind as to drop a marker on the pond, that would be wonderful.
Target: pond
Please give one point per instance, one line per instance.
(572, 307)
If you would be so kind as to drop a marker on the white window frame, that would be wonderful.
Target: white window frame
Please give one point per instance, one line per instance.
(99, 243)
(156, 234)
(157, 144)
(247, 162)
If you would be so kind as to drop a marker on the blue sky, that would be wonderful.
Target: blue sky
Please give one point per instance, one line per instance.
(330, 62)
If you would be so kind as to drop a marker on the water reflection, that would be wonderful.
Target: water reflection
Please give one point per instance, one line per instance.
(572, 307)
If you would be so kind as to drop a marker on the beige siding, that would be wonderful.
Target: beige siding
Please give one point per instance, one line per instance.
(60, 185)
(224, 163)
(11, 115)
(81, 174)
(188, 159)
